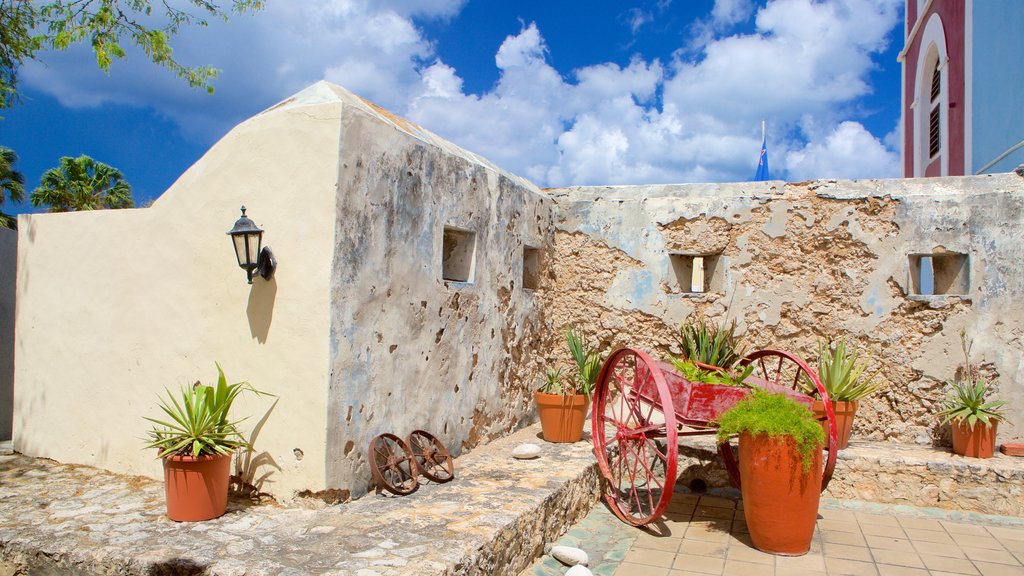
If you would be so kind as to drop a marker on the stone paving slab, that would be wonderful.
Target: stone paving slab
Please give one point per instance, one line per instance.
(493, 518)
(707, 534)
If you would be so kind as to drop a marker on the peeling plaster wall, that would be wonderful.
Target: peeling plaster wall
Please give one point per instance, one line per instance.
(8, 261)
(410, 350)
(802, 261)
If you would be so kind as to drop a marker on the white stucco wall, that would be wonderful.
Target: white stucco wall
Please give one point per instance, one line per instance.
(114, 306)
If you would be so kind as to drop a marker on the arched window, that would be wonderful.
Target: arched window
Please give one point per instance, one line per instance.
(931, 103)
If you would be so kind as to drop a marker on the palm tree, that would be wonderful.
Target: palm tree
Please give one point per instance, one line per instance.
(82, 184)
(12, 185)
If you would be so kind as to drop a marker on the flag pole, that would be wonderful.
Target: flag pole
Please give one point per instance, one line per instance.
(762, 130)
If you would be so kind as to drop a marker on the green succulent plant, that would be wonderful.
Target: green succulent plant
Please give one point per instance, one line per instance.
(695, 373)
(712, 343)
(198, 423)
(965, 404)
(588, 362)
(844, 377)
(777, 416)
(552, 381)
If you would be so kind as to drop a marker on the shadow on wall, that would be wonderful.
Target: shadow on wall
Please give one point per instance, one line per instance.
(8, 291)
(260, 310)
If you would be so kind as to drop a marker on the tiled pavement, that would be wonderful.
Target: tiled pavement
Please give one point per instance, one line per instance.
(707, 535)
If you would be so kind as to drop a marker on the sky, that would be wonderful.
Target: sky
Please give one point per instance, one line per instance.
(563, 92)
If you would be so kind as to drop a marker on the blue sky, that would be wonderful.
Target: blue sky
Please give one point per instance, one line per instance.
(564, 92)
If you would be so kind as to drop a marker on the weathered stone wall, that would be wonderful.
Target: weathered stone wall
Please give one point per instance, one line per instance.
(8, 262)
(409, 349)
(802, 261)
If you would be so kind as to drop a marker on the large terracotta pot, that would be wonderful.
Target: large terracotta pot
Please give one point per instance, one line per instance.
(844, 412)
(780, 499)
(562, 417)
(196, 488)
(978, 441)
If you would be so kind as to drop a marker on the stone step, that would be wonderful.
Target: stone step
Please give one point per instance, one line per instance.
(493, 518)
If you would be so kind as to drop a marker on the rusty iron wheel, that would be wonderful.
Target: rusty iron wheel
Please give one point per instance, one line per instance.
(431, 457)
(392, 464)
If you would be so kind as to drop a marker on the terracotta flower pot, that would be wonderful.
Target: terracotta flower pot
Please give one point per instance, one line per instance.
(196, 488)
(844, 411)
(780, 499)
(978, 441)
(562, 417)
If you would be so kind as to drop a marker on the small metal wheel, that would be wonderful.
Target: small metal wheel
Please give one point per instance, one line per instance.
(635, 435)
(784, 372)
(431, 457)
(392, 464)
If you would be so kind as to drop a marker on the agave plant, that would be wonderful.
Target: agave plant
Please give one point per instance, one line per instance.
(844, 377)
(966, 405)
(198, 421)
(711, 343)
(588, 361)
(552, 382)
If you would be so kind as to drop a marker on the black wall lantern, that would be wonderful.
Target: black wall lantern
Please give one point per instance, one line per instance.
(247, 239)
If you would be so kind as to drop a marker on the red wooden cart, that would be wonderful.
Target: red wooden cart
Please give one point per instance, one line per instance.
(641, 408)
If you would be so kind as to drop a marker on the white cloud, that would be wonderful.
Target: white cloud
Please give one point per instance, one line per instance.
(695, 118)
(849, 151)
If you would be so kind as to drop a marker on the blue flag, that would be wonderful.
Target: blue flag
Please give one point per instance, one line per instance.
(762, 163)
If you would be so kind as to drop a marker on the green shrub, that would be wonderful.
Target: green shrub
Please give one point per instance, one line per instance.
(778, 417)
(695, 373)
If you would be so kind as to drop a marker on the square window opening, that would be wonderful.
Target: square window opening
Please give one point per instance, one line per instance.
(458, 255)
(697, 273)
(531, 268)
(939, 274)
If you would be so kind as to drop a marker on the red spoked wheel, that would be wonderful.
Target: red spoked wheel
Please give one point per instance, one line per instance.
(635, 434)
(392, 464)
(431, 457)
(784, 372)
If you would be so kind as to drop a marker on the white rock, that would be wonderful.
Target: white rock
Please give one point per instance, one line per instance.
(526, 451)
(579, 570)
(570, 556)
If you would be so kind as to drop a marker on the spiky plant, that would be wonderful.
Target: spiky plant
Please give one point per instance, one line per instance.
(844, 377)
(587, 359)
(711, 343)
(966, 405)
(198, 422)
(552, 382)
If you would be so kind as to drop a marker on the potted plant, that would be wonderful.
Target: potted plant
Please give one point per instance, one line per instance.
(780, 469)
(196, 444)
(846, 380)
(973, 420)
(562, 401)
